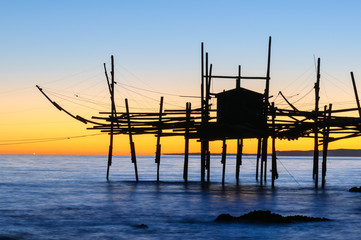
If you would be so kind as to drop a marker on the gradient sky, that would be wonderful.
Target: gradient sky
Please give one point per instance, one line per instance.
(62, 45)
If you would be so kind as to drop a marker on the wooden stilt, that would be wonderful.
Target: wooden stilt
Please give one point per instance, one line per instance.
(265, 113)
(223, 161)
(111, 90)
(274, 162)
(110, 154)
(206, 117)
(203, 161)
(315, 127)
(265, 159)
(208, 163)
(326, 133)
(186, 145)
(258, 156)
(132, 146)
(158, 150)
(239, 157)
(263, 172)
(274, 157)
(203, 147)
(205, 154)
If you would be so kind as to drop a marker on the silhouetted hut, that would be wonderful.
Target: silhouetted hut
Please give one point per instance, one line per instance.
(242, 110)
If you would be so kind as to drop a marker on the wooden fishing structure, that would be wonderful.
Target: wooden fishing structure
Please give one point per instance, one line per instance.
(240, 114)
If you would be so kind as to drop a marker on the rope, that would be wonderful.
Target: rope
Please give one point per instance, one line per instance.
(303, 96)
(29, 141)
(288, 172)
(156, 100)
(169, 94)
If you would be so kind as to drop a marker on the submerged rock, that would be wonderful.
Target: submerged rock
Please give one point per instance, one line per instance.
(355, 189)
(267, 217)
(142, 226)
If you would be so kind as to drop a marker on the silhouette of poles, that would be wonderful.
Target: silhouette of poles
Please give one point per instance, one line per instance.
(223, 161)
(315, 126)
(274, 157)
(259, 143)
(326, 134)
(356, 94)
(159, 132)
(132, 146)
(203, 142)
(239, 157)
(113, 112)
(186, 139)
(208, 97)
(266, 107)
(205, 96)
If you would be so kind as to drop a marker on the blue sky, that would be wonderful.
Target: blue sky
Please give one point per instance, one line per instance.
(41, 36)
(156, 45)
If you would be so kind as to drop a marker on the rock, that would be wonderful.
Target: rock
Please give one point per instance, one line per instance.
(225, 218)
(267, 217)
(355, 189)
(142, 226)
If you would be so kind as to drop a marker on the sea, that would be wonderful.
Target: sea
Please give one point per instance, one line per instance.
(68, 197)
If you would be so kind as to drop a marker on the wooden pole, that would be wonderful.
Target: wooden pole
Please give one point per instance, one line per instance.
(238, 81)
(223, 161)
(203, 160)
(208, 97)
(111, 88)
(356, 94)
(274, 157)
(258, 156)
(186, 137)
(132, 146)
(268, 78)
(158, 151)
(261, 168)
(263, 172)
(315, 127)
(326, 133)
(265, 113)
(203, 145)
(239, 157)
(204, 141)
(202, 77)
(208, 163)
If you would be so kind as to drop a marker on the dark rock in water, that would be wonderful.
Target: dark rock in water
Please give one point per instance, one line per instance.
(226, 218)
(142, 226)
(267, 217)
(355, 189)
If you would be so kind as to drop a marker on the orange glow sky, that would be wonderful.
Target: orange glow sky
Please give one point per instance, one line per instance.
(62, 46)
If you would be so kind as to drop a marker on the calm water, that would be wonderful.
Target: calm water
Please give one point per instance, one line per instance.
(67, 197)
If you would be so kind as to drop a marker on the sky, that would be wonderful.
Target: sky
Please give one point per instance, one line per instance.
(62, 45)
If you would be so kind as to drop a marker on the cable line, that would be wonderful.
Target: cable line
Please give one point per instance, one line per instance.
(143, 89)
(288, 172)
(39, 140)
